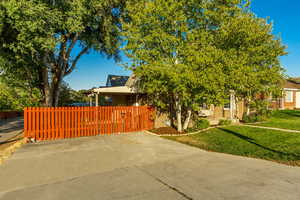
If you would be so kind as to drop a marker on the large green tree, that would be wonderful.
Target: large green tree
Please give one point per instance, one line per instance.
(45, 39)
(191, 53)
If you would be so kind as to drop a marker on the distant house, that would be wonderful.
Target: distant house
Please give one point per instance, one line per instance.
(291, 96)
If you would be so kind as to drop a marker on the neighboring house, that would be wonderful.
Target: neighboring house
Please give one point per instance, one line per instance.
(291, 96)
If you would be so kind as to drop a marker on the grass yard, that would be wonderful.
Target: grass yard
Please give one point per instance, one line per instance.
(272, 145)
(287, 119)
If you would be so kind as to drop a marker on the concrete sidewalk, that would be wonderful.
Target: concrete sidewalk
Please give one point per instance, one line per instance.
(140, 166)
(271, 128)
(10, 128)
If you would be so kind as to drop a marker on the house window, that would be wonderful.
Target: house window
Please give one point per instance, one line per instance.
(227, 106)
(288, 96)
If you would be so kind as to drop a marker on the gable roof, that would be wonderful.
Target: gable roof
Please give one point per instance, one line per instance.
(115, 80)
(119, 84)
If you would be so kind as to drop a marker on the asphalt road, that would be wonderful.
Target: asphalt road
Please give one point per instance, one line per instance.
(140, 166)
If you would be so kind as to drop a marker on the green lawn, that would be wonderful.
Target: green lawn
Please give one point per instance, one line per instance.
(287, 119)
(247, 141)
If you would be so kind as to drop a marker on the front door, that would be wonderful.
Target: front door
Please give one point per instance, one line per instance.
(297, 99)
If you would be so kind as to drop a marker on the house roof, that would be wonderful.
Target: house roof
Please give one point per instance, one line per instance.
(291, 84)
(295, 79)
(119, 85)
(115, 80)
(115, 90)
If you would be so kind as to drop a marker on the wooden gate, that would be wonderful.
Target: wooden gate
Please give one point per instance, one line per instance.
(45, 123)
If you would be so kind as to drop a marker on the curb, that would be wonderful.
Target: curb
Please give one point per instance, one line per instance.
(6, 153)
(186, 134)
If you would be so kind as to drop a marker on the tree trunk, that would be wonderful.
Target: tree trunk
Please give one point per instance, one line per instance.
(57, 68)
(56, 90)
(52, 90)
(47, 90)
(187, 119)
(248, 106)
(178, 113)
(172, 112)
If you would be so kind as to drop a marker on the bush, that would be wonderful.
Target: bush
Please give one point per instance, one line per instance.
(254, 117)
(201, 124)
(224, 122)
(248, 118)
(262, 113)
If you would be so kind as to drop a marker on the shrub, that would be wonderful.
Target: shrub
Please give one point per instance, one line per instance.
(255, 117)
(262, 113)
(224, 122)
(249, 118)
(201, 124)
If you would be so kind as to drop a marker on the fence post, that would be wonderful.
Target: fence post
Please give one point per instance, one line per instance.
(25, 123)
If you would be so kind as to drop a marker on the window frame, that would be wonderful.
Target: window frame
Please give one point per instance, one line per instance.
(290, 94)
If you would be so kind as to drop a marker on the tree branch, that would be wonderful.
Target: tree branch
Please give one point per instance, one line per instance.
(73, 42)
(63, 48)
(70, 69)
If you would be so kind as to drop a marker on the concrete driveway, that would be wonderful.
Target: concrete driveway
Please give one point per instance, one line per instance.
(9, 128)
(140, 166)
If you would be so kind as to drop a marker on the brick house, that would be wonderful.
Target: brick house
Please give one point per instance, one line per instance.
(291, 96)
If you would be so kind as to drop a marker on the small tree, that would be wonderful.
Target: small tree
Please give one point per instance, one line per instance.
(252, 58)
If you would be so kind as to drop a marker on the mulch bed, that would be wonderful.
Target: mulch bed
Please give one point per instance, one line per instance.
(166, 131)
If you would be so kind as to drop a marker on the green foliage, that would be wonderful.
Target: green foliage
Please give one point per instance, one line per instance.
(254, 117)
(16, 98)
(260, 112)
(261, 107)
(41, 41)
(190, 53)
(225, 122)
(69, 96)
(251, 118)
(201, 124)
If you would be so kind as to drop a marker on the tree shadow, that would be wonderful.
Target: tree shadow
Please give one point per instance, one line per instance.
(10, 129)
(288, 113)
(252, 141)
(10, 141)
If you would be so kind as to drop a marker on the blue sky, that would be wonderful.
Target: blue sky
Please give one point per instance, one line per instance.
(93, 68)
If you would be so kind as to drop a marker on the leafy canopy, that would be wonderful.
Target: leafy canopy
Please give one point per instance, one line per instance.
(192, 53)
(200, 50)
(47, 38)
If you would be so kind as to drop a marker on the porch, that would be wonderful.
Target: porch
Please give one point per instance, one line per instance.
(115, 96)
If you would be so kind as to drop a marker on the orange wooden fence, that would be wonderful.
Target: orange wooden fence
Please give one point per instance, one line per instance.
(68, 122)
